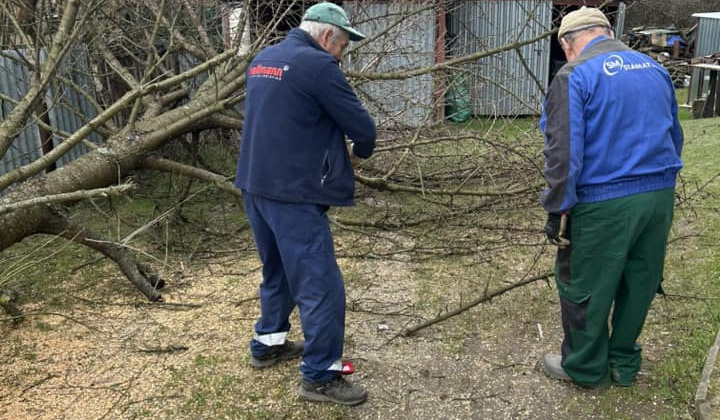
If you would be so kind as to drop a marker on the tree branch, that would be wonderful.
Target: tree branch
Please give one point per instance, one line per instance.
(193, 49)
(446, 65)
(384, 185)
(412, 330)
(13, 123)
(144, 279)
(167, 165)
(29, 170)
(67, 197)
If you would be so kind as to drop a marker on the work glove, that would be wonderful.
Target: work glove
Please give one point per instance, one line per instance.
(556, 229)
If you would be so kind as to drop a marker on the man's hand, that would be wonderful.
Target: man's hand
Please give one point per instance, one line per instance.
(556, 229)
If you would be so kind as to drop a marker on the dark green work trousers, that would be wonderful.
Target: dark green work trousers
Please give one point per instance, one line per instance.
(615, 261)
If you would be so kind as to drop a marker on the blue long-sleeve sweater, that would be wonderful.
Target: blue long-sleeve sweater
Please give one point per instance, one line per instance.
(299, 109)
(611, 127)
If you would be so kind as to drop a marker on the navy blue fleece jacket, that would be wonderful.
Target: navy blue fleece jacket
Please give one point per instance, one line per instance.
(298, 111)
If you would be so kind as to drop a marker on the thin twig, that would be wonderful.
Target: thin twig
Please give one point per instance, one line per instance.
(163, 349)
(29, 314)
(66, 197)
(486, 297)
(250, 299)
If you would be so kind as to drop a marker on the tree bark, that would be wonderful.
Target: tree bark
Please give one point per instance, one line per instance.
(144, 279)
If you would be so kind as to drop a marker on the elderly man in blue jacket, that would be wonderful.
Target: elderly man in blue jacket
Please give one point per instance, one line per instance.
(612, 154)
(294, 163)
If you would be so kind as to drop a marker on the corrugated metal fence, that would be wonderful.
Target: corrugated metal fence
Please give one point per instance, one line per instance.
(67, 108)
(405, 34)
(505, 83)
(13, 83)
(402, 35)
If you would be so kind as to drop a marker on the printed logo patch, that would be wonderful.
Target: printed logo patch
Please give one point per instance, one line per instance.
(614, 64)
(268, 71)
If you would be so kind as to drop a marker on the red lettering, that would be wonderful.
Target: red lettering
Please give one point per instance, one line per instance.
(261, 70)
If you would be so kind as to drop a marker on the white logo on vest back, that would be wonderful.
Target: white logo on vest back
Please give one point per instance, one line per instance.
(614, 64)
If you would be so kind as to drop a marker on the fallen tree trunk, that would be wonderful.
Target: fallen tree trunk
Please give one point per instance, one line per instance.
(108, 165)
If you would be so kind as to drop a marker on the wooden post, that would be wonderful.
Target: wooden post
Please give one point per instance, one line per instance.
(697, 108)
(701, 82)
(710, 100)
(717, 91)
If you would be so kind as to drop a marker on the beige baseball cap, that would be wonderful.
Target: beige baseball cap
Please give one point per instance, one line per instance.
(584, 17)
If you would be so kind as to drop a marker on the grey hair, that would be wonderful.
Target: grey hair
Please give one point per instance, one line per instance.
(570, 36)
(315, 29)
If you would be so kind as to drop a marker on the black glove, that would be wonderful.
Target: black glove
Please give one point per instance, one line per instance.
(556, 229)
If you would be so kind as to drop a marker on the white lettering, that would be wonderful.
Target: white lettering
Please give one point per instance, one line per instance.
(613, 64)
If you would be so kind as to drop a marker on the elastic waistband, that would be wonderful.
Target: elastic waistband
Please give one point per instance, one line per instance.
(621, 188)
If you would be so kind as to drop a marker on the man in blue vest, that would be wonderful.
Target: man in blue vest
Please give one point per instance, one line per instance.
(612, 154)
(294, 163)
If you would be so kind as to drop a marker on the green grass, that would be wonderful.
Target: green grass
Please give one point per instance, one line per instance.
(681, 329)
(684, 112)
(53, 271)
(685, 323)
(682, 326)
(214, 388)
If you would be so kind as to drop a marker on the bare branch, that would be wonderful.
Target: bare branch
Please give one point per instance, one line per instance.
(207, 45)
(13, 123)
(167, 165)
(67, 197)
(383, 184)
(486, 297)
(448, 64)
(27, 171)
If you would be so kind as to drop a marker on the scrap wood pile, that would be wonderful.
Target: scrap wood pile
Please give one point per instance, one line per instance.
(671, 47)
(707, 104)
(713, 59)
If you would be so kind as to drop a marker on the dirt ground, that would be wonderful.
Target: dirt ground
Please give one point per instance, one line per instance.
(187, 358)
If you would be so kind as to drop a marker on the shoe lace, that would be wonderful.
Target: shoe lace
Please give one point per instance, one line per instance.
(337, 382)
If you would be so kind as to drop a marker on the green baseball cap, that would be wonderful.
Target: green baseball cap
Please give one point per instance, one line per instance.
(333, 14)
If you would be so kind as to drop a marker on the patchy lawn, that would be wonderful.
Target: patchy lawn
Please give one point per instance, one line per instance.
(91, 348)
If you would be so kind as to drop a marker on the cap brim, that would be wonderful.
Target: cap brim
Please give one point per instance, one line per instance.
(353, 34)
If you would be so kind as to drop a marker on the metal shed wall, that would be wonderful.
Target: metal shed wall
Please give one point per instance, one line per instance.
(13, 83)
(501, 84)
(67, 109)
(405, 39)
(708, 42)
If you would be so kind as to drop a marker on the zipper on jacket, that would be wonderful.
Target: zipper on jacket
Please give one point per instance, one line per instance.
(325, 172)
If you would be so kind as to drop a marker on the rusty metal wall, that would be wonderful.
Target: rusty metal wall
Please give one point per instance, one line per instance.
(401, 35)
(507, 83)
(708, 42)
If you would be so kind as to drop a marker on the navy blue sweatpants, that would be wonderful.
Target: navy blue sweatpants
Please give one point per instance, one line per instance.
(299, 269)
